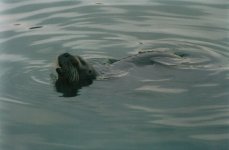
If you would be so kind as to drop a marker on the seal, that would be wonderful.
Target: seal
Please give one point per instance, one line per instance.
(74, 72)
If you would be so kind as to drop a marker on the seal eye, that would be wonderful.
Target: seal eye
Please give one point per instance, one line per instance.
(75, 62)
(89, 72)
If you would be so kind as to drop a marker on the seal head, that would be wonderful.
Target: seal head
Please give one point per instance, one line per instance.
(73, 73)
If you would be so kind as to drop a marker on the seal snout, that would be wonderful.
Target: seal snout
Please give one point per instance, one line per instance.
(68, 68)
(66, 59)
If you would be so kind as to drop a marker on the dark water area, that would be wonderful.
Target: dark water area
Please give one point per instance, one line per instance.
(162, 107)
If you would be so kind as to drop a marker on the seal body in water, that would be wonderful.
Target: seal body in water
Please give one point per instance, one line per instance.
(178, 65)
(74, 72)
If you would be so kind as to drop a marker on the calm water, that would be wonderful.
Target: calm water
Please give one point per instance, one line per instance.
(153, 107)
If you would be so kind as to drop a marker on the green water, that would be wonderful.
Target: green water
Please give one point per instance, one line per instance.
(150, 107)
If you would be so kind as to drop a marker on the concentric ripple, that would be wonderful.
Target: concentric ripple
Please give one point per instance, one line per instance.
(24, 77)
(195, 54)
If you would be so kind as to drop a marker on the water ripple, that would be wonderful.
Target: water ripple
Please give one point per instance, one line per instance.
(188, 117)
(161, 89)
(4, 99)
(211, 137)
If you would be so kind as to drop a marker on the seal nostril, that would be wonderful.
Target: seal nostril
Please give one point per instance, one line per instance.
(89, 71)
(59, 71)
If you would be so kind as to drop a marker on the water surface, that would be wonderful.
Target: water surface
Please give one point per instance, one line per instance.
(152, 107)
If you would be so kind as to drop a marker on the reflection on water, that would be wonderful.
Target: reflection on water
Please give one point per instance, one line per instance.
(179, 106)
